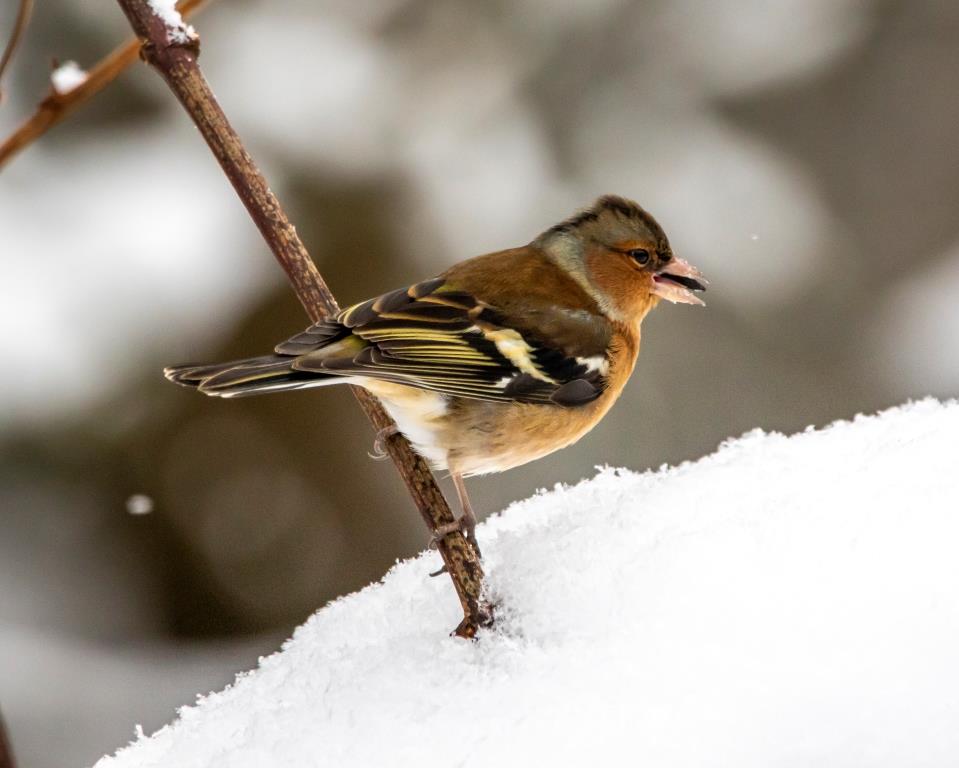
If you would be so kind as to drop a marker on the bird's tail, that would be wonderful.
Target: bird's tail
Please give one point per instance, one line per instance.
(250, 376)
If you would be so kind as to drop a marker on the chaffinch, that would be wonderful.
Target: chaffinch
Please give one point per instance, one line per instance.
(503, 358)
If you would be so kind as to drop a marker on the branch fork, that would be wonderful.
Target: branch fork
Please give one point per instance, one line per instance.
(56, 106)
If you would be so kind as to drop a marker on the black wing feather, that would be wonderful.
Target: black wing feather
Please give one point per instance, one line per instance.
(437, 337)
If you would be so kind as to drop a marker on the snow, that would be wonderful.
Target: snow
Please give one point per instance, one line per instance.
(67, 76)
(139, 504)
(178, 31)
(786, 601)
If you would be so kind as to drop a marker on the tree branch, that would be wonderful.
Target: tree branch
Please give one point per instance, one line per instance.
(172, 49)
(6, 751)
(56, 106)
(19, 26)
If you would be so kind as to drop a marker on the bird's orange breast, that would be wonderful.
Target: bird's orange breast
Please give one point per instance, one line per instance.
(482, 437)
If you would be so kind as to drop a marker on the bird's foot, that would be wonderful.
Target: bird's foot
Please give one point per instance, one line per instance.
(379, 442)
(465, 524)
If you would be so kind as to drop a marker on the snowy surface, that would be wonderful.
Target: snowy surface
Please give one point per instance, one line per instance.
(39, 664)
(67, 76)
(784, 601)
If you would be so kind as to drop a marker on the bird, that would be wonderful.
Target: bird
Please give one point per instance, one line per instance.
(500, 360)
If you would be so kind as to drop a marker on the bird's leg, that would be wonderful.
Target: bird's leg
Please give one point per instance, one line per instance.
(379, 442)
(465, 522)
(468, 520)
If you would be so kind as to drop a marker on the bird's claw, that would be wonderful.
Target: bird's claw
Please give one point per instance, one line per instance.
(379, 442)
(465, 524)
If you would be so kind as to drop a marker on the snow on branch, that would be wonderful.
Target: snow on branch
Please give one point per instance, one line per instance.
(66, 77)
(784, 601)
(177, 30)
(61, 101)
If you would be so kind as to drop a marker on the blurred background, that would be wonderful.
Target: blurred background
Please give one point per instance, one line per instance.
(803, 153)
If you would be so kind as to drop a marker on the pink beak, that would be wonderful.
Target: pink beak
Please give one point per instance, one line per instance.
(677, 281)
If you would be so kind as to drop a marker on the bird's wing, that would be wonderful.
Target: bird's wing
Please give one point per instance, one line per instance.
(434, 336)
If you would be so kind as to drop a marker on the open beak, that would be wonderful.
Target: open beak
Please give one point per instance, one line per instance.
(677, 281)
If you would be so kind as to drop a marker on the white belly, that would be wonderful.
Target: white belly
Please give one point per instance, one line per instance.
(417, 413)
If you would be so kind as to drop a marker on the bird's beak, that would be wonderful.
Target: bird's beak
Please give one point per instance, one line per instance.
(677, 281)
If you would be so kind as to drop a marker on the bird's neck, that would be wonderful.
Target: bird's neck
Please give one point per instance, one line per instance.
(567, 252)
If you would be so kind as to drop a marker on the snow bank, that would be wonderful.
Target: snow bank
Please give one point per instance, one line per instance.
(785, 601)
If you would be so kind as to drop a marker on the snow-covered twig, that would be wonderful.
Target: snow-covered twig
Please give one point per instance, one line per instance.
(177, 31)
(174, 55)
(56, 106)
(67, 76)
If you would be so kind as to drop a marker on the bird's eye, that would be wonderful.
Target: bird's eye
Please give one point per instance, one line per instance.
(641, 255)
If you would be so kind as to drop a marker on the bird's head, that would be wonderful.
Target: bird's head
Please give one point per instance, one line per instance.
(621, 256)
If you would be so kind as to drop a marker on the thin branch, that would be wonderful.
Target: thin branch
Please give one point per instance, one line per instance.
(172, 49)
(56, 106)
(19, 27)
(6, 750)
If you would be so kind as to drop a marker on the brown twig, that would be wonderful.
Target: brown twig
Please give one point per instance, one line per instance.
(173, 52)
(6, 750)
(56, 106)
(19, 26)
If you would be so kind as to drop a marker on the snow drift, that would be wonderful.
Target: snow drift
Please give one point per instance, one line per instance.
(784, 601)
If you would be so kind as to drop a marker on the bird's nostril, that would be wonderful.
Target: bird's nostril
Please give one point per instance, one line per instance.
(665, 257)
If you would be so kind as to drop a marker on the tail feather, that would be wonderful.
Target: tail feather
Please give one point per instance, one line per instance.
(251, 376)
(192, 374)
